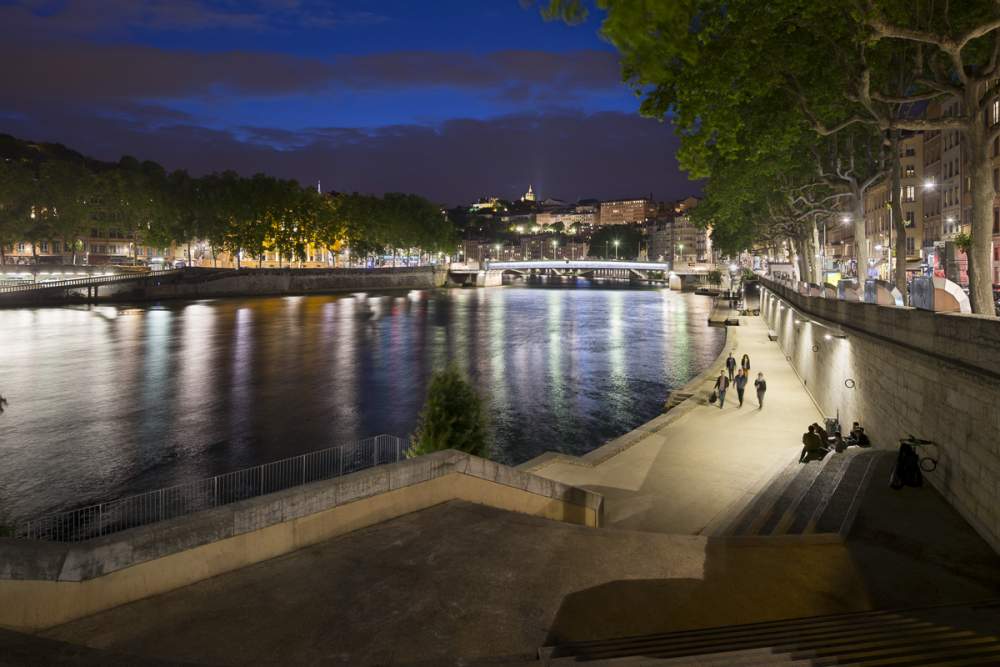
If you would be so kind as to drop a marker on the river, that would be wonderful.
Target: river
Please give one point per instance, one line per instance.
(106, 401)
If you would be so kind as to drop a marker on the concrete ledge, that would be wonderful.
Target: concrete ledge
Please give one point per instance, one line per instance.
(43, 584)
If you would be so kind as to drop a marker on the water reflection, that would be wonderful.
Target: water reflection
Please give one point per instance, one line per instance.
(109, 401)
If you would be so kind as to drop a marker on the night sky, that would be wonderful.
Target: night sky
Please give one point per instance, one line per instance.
(449, 99)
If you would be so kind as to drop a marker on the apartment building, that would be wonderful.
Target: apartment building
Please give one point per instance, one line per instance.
(626, 211)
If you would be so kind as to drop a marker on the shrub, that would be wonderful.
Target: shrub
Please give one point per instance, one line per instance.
(453, 417)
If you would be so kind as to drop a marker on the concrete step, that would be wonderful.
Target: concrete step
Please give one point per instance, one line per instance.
(836, 514)
(808, 498)
(792, 495)
(958, 634)
(748, 521)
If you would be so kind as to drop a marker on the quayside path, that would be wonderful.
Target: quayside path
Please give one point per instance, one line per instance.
(691, 470)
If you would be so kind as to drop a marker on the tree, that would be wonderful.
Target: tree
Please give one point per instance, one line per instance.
(715, 277)
(453, 417)
(957, 58)
(16, 187)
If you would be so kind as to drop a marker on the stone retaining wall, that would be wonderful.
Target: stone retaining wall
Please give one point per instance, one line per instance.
(212, 283)
(903, 371)
(43, 584)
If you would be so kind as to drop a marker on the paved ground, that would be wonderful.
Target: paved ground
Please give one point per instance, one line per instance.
(698, 469)
(459, 583)
(466, 580)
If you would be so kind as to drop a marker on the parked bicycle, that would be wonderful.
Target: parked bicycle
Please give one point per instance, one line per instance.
(927, 463)
(911, 463)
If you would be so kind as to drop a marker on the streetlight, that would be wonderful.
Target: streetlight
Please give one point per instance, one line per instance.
(616, 249)
(554, 244)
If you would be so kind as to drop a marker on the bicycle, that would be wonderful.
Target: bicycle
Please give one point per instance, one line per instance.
(927, 463)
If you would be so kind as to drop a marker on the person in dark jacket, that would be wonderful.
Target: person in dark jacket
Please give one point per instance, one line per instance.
(721, 385)
(731, 365)
(745, 365)
(812, 443)
(741, 384)
(760, 384)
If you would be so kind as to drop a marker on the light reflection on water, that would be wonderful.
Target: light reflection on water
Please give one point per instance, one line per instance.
(111, 401)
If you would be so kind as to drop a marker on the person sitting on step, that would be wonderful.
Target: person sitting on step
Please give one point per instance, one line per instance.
(812, 444)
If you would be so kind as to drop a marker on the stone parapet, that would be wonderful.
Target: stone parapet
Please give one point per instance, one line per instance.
(43, 583)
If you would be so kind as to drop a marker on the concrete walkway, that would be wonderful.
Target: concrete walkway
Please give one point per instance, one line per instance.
(699, 470)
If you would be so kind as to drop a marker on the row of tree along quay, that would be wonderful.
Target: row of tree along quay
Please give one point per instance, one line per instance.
(793, 109)
(50, 193)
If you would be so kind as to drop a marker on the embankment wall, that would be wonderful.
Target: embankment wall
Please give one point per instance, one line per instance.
(210, 283)
(903, 371)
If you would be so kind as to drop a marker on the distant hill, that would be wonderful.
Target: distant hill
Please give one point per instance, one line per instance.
(12, 148)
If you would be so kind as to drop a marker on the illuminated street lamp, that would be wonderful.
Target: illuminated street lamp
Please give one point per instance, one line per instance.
(616, 249)
(554, 244)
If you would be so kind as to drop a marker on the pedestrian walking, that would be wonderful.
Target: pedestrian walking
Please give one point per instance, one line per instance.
(745, 365)
(760, 384)
(731, 365)
(741, 384)
(721, 385)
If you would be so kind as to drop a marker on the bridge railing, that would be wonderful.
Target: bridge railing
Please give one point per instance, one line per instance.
(580, 264)
(85, 282)
(168, 503)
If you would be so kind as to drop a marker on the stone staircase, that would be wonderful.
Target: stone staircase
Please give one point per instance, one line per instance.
(808, 498)
(950, 635)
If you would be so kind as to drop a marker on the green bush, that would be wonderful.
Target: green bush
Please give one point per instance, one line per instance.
(453, 417)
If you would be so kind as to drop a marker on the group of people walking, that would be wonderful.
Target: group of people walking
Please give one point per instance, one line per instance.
(739, 378)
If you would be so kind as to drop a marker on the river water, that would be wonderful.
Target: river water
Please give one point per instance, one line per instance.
(106, 401)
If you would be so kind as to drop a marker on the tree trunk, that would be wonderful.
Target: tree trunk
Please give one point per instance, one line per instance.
(897, 224)
(190, 256)
(980, 271)
(817, 257)
(238, 264)
(799, 252)
(860, 242)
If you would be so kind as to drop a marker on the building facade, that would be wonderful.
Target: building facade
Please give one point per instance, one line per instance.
(626, 212)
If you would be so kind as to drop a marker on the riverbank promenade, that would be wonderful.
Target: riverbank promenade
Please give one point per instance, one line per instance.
(691, 472)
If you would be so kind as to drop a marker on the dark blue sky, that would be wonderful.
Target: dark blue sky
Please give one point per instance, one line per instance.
(449, 99)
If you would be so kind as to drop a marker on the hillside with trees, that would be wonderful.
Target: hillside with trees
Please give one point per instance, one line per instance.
(49, 192)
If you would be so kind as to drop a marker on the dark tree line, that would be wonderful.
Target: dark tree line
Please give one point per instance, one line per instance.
(49, 196)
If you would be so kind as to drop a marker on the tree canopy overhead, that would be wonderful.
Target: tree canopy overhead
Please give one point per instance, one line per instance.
(794, 109)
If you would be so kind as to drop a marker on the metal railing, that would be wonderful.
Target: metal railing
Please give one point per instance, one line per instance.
(85, 282)
(168, 503)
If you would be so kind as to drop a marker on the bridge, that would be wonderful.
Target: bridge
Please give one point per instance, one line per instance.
(18, 293)
(490, 272)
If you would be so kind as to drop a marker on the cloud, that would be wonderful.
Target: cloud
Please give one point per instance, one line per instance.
(122, 17)
(82, 72)
(566, 155)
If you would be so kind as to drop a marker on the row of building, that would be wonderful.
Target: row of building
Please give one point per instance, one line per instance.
(532, 214)
(668, 235)
(936, 201)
